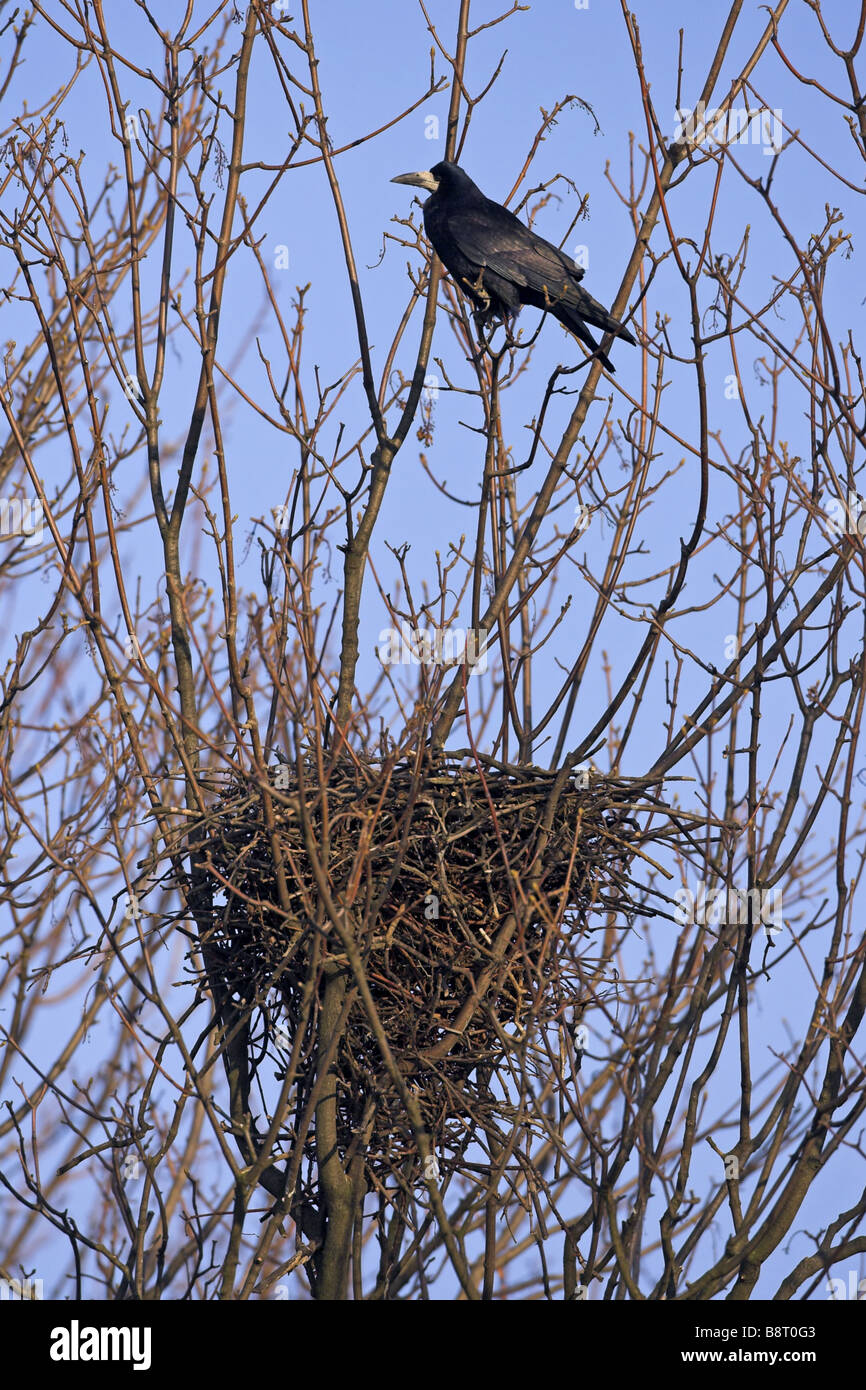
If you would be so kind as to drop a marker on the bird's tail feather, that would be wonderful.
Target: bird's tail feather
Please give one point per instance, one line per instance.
(576, 325)
(573, 318)
(597, 315)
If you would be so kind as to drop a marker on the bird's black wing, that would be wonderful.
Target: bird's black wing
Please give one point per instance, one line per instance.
(490, 235)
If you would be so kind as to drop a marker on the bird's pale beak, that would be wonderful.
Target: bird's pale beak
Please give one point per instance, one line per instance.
(423, 179)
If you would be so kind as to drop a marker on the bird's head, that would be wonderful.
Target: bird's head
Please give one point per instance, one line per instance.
(424, 178)
(444, 176)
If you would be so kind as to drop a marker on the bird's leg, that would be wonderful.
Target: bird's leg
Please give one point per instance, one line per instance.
(483, 311)
(482, 318)
(477, 290)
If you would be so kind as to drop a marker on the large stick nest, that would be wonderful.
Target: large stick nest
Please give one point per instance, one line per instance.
(465, 891)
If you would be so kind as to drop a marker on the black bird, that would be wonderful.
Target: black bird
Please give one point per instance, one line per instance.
(499, 263)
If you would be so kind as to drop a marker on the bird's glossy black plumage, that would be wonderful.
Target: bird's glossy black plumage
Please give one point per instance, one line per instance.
(499, 263)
